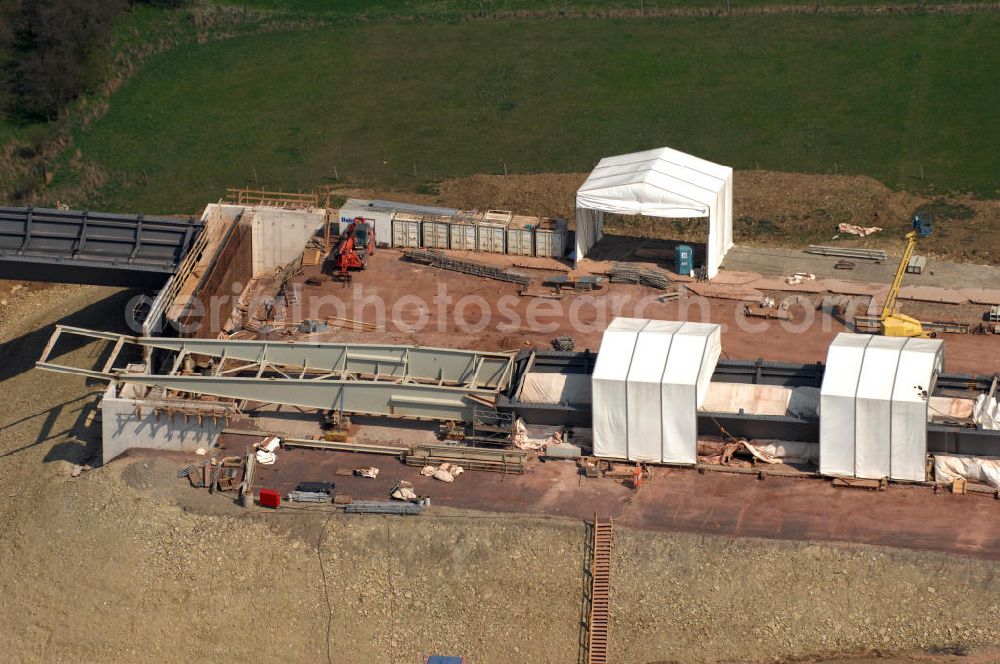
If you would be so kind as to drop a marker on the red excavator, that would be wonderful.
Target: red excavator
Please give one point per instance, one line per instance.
(356, 244)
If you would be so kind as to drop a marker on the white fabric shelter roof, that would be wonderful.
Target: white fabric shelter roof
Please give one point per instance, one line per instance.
(658, 183)
(873, 406)
(649, 380)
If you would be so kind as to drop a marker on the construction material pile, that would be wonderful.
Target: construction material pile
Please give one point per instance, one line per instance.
(633, 273)
(436, 258)
(564, 343)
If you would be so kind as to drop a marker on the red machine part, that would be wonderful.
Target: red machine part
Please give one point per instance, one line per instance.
(269, 498)
(356, 244)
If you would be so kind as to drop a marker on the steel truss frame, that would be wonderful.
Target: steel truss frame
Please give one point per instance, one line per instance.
(369, 379)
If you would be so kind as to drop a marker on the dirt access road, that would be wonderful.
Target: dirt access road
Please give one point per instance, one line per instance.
(125, 564)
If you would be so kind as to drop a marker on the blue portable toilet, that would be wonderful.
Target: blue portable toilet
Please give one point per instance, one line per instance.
(684, 259)
(443, 659)
(922, 224)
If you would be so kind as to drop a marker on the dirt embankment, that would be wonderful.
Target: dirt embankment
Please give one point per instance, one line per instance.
(771, 208)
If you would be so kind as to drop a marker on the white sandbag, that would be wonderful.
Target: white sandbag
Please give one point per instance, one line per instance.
(271, 444)
(404, 491)
(428, 471)
(991, 474)
(443, 475)
(789, 450)
(266, 458)
(985, 413)
(760, 456)
(948, 467)
(533, 436)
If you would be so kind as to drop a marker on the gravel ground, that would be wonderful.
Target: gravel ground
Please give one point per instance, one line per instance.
(127, 564)
(687, 598)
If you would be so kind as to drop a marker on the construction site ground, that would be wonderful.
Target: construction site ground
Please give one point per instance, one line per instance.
(721, 501)
(126, 563)
(402, 300)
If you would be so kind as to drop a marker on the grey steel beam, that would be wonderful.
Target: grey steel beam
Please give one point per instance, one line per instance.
(368, 379)
(480, 369)
(351, 396)
(92, 247)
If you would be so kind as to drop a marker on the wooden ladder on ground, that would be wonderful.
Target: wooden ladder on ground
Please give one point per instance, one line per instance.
(600, 592)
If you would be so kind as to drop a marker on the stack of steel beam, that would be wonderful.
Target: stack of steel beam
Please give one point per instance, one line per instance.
(440, 259)
(631, 273)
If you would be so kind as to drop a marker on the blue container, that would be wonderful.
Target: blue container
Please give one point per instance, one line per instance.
(684, 259)
(922, 224)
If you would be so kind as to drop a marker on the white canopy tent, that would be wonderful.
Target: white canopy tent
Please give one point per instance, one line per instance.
(658, 183)
(873, 406)
(649, 380)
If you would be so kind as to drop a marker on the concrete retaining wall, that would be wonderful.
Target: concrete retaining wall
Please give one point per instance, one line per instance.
(123, 426)
(279, 236)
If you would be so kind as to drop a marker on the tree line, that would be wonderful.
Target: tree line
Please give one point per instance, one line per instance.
(52, 51)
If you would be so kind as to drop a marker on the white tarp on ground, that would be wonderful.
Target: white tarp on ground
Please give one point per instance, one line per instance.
(873, 406)
(649, 380)
(658, 183)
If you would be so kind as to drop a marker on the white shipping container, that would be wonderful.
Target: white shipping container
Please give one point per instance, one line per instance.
(463, 237)
(491, 238)
(435, 233)
(551, 238)
(405, 230)
(520, 241)
(381, 213)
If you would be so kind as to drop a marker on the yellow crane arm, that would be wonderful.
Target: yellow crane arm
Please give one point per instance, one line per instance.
(889, 308)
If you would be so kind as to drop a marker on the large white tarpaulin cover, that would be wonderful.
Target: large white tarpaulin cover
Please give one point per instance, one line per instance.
(645, 376)
(658, 183)
(836, 404)
(873, 406)
(608, 386)
(649, 380)
(919, 365)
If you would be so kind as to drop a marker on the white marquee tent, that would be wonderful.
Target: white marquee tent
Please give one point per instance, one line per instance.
(658, 183)
(873, 406)
(649, 380)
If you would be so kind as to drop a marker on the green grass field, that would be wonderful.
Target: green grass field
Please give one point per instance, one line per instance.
(889, 97)
(454, 8)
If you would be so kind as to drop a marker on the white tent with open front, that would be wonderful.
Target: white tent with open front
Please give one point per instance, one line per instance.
(658, 183)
